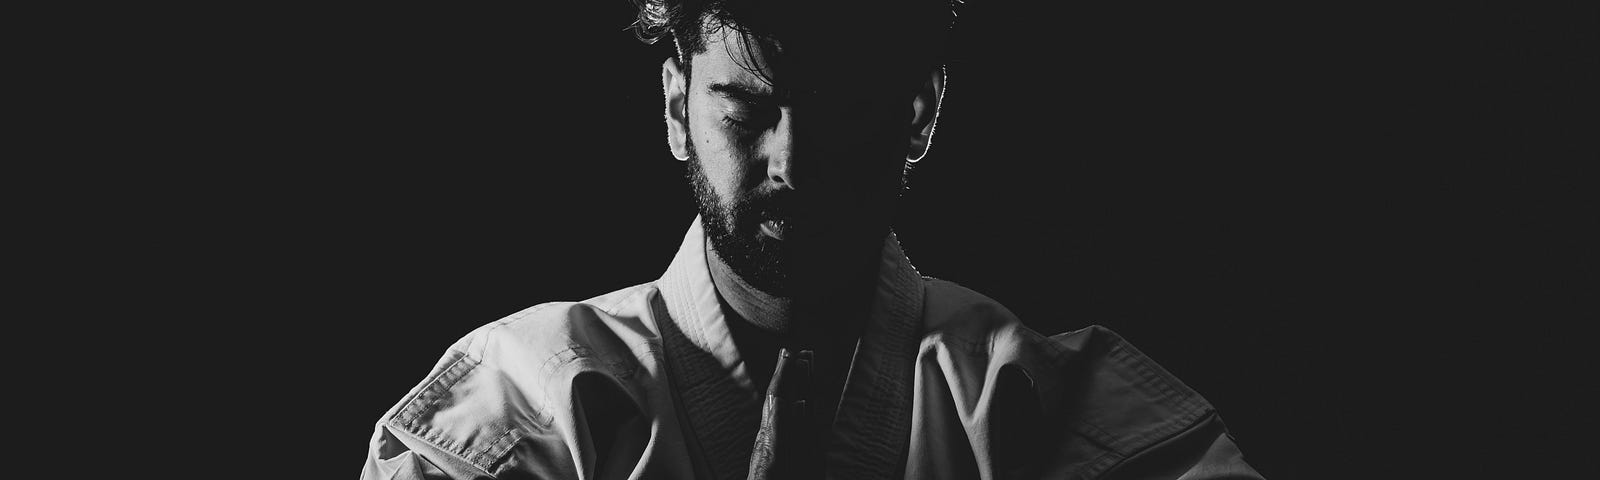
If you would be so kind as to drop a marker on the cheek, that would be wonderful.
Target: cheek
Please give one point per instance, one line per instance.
(719, 155)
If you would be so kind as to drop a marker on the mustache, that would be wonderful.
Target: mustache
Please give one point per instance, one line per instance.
(771, 205)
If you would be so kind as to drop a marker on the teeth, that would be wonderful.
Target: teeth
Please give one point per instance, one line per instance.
(776, 228)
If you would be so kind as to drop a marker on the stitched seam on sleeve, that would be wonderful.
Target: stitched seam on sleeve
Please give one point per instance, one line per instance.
(408, 422)
(426, 399)
(1163, 384)
(498, 448)
(1181, 428)
(436, 444)
(447, 376)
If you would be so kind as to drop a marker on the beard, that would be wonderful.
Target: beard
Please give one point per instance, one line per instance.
(816, 257)
(733, 228)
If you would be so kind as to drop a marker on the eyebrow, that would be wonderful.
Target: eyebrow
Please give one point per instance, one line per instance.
(742, 92)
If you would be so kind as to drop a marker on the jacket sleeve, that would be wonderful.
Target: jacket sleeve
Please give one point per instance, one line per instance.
(1204, 451)
(1144, 422)
(395, 451)
(388, 458)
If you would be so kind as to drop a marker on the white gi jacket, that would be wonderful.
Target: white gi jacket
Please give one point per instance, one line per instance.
(645, 382)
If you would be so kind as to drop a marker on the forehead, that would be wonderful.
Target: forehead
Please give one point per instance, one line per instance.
(802, 64)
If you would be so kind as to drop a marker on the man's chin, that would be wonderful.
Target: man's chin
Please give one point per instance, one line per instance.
(788, 262)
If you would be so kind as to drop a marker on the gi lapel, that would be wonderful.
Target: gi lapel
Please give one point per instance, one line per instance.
(719, 411)
(871, 430)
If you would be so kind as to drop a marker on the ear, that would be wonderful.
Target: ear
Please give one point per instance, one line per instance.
(925, 113)
(674, 85)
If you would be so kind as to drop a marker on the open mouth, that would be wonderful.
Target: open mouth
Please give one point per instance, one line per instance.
(775, 228)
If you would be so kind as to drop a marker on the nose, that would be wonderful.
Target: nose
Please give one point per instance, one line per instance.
(780, 152)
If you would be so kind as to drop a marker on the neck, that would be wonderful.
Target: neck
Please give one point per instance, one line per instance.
(831, 309)
(770, 313)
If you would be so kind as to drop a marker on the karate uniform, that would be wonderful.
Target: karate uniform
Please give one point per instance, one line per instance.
(646, 382)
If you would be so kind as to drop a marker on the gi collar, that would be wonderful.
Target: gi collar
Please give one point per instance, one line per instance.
(872, 427)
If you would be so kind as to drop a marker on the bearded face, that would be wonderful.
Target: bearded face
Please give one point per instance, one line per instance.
(795, 176)
(734, 228)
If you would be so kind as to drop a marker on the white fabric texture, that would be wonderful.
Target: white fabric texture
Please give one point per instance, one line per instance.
(645, 382)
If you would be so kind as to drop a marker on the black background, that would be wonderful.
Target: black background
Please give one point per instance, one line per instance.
(1364, 232)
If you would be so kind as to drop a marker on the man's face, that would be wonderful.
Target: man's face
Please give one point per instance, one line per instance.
(796, 169)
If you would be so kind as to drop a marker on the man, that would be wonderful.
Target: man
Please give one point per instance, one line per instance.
(790, 337)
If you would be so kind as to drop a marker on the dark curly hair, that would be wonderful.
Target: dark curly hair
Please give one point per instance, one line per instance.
(917, 28)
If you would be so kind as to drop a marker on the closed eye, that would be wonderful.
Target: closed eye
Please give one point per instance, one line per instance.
(747, 117)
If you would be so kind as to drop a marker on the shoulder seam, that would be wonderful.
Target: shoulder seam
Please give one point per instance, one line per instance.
(478, 346)
(611, 309)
